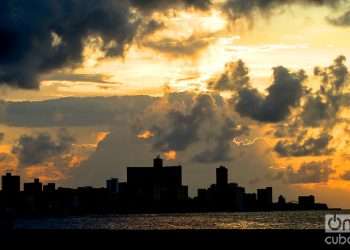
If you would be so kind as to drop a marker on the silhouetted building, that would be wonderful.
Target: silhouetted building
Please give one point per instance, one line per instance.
(264, 198)
(250, 202)
(158, 162)
(10, 183)
(33, 187)
(49, 187)
(306, 202)
(156, 183)
(202, 195)
(221, 176)
(112, 185)
(223, 195)
(148, 189)
(281, 200)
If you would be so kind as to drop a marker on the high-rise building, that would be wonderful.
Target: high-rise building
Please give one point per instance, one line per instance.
(156, 183)
(33, 187)
(264, 198)
(221, 176)
(250, 201)
(10, 183)
(112, 185)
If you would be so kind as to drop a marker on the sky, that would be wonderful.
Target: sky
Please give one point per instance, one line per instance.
(260, 86)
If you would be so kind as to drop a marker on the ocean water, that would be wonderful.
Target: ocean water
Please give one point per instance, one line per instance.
(251, 220)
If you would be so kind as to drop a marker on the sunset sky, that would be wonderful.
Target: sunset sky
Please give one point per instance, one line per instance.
(261, 86)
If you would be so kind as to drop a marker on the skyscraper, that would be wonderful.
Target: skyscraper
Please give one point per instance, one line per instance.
(221, 176)
(264, 198)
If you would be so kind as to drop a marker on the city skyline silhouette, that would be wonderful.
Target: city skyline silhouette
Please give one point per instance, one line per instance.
(149, 189)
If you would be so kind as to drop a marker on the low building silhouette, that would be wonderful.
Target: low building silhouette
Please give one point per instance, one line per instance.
(10, 183)
(306, 202)
(33, 187)
(49, 187)
(112, 185)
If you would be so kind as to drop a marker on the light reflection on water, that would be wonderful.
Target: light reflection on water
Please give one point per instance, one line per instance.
(258, 220)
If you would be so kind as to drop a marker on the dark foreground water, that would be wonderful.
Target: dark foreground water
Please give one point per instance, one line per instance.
(258, 220)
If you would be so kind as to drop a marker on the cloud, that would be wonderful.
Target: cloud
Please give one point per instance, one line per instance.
(74, 111)
(234, 77)
(156, 5)
(151, 27)
(205, 127)
(283, 94)
(312, 172)
(221, 150)
(345, 176)
(51, 34)
(181, 129)
(34, 150)
(236, 9)
(98, 78)
(342, 20)
(324, 106)
(189, 46)
(321, 109)
(46, 35)
(313, 146)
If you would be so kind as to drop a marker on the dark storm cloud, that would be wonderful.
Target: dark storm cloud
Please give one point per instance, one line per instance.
(316, 110)
(234, 77)
(309, 147)
(151, 27)
(246, 8)
(183, 128)
(32, 150)
(312, 172)
(41, 35)
(205, 123)
(151, 5)
(222, 148)
(283, 94)
(324, 105)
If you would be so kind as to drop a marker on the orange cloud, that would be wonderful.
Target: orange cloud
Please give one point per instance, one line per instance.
(44, 173)
(75, 161)
(101, 136)
(145, 135)
(170, 155)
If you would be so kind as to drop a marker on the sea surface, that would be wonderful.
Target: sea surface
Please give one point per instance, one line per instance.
(239, 220)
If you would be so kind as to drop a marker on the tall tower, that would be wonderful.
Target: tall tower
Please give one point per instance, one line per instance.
(221, 176)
